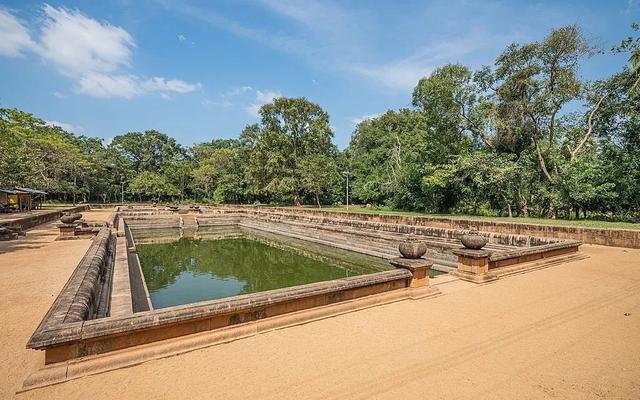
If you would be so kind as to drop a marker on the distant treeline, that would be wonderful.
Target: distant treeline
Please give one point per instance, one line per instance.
(504, 140)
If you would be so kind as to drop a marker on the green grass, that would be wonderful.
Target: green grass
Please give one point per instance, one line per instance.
(545, 221)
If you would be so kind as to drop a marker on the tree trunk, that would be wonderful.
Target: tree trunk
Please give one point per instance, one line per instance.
(318, 200)
(510, 213)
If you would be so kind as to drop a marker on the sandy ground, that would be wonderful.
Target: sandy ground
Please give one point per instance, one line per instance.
(559, 332)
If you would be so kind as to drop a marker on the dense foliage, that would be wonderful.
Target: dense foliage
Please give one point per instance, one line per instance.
(524, 137)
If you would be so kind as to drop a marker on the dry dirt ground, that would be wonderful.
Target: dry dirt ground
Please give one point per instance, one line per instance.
(570, 332)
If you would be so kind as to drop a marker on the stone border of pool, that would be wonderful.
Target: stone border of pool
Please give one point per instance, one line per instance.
(615, 237)
(51, 374)
(69, 334)
(75, 342)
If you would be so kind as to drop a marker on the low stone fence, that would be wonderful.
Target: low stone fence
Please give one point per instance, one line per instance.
(602, 236)
(30, 221)
(379, 239)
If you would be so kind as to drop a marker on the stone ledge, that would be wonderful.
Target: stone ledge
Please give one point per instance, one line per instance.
(78, 298)
(51, 334)
(474, 254)
(95, 364)
(475, 278)
(411, 264)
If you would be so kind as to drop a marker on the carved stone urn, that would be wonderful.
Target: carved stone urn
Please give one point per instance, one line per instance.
(70, 218)
(412, 248)
(473, 240)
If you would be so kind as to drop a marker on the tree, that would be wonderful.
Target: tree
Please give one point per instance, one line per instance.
(152, 185)
(220, 175)
(535, 81)
(35, 154)
(318, 180)
(457, 101)
(631, 45)
(391, 153)
(292, 131)
(147, 151)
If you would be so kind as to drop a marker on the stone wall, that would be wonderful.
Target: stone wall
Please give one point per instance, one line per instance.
(378, 239)
(30, 221)
(80, 298)
(606, 237)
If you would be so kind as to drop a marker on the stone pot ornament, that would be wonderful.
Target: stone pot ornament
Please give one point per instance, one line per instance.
(412, 247)
(473, 240)
(70, 218)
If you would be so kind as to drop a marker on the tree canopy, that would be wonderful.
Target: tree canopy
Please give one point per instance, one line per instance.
(525, 135)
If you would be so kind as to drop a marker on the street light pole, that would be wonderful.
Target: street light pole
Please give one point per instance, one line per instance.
(346, 173)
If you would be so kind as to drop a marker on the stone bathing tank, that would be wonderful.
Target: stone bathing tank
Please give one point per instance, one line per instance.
(126, 292)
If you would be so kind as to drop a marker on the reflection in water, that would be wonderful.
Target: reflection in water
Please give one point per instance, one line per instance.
(188, 271)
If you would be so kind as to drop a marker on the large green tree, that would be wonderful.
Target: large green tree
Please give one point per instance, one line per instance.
(151, 185)
(293, 132)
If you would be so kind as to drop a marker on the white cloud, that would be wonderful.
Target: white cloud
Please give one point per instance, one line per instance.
(95, 54)
(66, 126)
(267, 96)
(79, 45)
(101, 85)
(223, 103)
(59, 95)
(171, 85)
(392, 49)
(182, 38)
(238, 91)
(15, 36)
(262, 98)
(356, 120)
(401, 75)
(129, 86)
(405, 73)
(290, 44)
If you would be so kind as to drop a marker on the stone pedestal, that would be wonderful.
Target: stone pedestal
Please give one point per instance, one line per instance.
(67, 231)
(7, 234)
(419, 268)
(473, 266)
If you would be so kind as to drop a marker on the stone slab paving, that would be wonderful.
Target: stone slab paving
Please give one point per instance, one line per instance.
(569, 331)
(121, 291)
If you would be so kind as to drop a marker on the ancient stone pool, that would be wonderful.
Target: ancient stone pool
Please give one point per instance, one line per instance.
(159, 281)
(192, 270)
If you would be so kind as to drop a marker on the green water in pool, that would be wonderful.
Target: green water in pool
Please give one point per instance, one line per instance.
(188, 271)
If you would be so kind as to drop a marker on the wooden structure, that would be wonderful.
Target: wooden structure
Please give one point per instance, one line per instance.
(20, 199)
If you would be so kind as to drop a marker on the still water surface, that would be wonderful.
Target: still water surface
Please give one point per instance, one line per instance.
(188, 271)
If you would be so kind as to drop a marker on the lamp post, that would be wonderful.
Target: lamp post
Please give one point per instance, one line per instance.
(346, 174)
(122, 189)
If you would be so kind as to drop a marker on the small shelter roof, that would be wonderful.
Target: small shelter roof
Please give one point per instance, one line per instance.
(32, 191)
(13, 191)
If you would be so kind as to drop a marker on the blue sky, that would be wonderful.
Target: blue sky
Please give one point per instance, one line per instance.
(199, 70)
